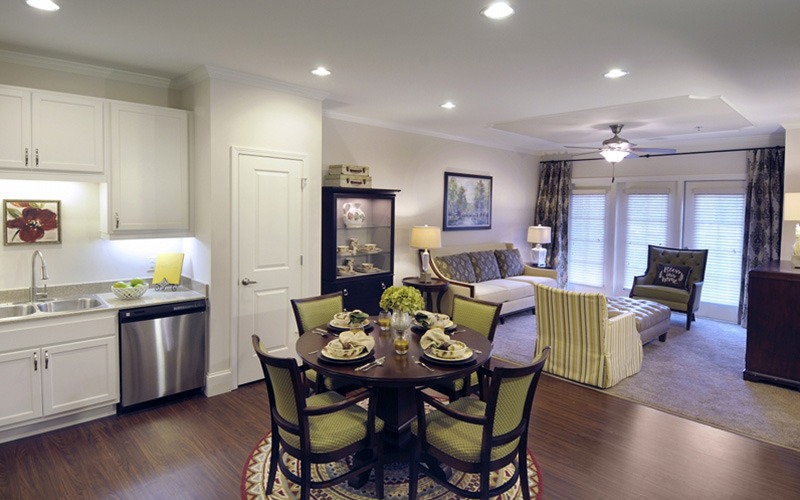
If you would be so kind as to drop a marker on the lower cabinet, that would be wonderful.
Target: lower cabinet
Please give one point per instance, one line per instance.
(48, 379)
(361, 293)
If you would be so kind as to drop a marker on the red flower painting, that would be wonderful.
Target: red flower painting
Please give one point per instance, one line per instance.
(32, 222)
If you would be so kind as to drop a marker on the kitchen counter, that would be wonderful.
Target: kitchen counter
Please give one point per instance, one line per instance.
(189, 290)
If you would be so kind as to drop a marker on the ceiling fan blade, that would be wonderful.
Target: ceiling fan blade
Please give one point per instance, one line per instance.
(653, 150)
(579, 147)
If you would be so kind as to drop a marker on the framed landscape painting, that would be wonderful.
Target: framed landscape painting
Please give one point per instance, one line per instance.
(31, 221)
(467, 202)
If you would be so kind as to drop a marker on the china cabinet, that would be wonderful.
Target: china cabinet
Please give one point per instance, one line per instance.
(358, 244)
(51, 132)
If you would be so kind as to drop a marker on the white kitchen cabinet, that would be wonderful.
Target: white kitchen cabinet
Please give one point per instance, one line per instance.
(147, 194)
(57, 367)
(44, 132)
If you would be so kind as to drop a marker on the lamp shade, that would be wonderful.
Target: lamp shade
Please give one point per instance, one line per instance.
(426, 237)
(791, 206)
(614, 155)
(539, 234)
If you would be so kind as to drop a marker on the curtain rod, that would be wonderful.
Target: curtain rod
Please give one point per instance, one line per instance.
(675, 154)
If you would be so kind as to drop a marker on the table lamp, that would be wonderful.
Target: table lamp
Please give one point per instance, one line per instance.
(425, 237)
(538, 235)
(791, 212)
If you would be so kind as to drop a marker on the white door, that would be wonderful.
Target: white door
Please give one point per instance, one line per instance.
(270, 246)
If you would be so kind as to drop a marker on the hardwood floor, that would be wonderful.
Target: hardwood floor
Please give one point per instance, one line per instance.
(589, 445)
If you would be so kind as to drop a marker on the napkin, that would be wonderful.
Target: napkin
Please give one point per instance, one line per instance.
(434, 336)
(357, 338)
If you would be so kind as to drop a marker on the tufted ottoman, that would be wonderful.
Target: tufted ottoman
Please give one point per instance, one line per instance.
(652, 318)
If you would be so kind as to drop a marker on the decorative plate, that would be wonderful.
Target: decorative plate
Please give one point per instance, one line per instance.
(469, 357)
(324, 356)
(342, 325)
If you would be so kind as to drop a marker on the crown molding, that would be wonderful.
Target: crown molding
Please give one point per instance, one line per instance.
(215, 73)
(84, 69)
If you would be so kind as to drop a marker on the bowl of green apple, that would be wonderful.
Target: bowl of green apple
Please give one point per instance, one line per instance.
(128, 290)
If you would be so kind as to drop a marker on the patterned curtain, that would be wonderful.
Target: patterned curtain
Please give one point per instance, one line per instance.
(552, 209)
(762, 216)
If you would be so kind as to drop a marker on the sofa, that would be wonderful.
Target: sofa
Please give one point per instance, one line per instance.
(494, 272)
(587, 345)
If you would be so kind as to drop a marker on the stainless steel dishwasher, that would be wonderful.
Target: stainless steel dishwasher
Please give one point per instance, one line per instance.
(162, 351)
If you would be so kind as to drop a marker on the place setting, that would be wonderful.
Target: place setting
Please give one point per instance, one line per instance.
(424, 320)
(349, 348)
(350, 320)
(438, 347)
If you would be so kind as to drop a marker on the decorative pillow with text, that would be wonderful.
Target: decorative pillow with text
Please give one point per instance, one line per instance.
(673, 276)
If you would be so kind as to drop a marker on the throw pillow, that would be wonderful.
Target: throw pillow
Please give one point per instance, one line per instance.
(485, 264)
(510, 262)
(456, 267)
(673, 276)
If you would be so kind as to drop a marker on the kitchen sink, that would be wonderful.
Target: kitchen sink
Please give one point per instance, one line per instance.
(72, 304)
(16, 310)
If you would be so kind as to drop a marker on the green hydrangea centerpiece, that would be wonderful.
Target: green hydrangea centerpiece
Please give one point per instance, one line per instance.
(402, 298)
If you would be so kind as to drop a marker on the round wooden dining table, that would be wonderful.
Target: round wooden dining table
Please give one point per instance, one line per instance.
(397, 379)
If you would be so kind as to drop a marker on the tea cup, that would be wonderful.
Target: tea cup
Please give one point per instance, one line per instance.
(367, 266)
(370, 247)
(343, 250)
(342, 269)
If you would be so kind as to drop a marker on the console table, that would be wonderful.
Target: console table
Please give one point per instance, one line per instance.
(773, 325)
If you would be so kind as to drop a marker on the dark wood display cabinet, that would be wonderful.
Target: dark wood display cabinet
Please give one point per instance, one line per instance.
(358, 244)
(773, 325)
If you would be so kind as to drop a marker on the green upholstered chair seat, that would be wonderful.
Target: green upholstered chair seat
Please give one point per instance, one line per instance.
(461, 440)
(335, 431)
(674, 298)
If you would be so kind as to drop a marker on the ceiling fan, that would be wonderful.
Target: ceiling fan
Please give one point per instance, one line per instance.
(616, 148)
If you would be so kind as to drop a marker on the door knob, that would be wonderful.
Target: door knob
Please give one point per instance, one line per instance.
(246, 281)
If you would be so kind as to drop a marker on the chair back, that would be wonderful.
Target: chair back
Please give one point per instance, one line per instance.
(477, 315)
(509, 401)
(284, 386)
(696, 259)
(313, 311)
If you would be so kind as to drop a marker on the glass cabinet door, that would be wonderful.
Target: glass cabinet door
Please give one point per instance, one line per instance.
(363, 236)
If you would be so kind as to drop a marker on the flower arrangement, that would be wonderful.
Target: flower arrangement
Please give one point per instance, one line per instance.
(402, 299)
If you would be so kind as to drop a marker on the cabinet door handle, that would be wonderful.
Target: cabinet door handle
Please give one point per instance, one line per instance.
(26, 157)
(35, 361)
(116, 217)
(344, 292)
(383, 286)
(46, 359)
(246, 281)
(37, 157)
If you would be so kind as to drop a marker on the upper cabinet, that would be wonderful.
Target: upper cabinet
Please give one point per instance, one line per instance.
(51, 132)
(147, 194)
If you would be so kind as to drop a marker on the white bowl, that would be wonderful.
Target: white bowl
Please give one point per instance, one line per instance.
(455, 350)
(335, 349)
(129, 293)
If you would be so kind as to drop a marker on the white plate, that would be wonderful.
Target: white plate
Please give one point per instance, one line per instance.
(447, 326)
(342, 324)
(467, 356)
(324, 353)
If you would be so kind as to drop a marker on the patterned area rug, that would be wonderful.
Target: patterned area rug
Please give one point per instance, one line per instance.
(256, 471)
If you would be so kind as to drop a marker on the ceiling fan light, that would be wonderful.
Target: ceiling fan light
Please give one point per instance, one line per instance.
(614, 155)
(498, 10)
(47, 5)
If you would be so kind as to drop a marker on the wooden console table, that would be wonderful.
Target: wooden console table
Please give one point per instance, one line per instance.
(773, 325)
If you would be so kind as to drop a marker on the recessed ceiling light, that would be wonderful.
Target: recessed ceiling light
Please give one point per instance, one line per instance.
(321, 71)
(47, 5)
(616, 73)
(448, 105)
(498, 10)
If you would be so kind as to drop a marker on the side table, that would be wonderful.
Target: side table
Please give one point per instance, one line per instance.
(436, 286)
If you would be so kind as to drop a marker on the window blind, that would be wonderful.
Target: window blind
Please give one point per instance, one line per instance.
(587, 239)
(719, 227)
(646, 223)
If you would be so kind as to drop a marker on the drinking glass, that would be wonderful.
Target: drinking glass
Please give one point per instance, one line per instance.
(384, 320)
(400, 343)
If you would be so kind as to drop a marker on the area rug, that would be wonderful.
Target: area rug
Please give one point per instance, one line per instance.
(695, 374)
(256, 471)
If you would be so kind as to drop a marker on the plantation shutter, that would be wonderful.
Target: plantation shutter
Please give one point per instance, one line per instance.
(587, 238)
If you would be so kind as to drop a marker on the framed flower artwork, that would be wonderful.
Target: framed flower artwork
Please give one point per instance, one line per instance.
(31, 221)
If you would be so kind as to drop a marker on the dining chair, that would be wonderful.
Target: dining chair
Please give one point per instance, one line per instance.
(321, 428)
(476, 436)
(314, 311)
(478, 315)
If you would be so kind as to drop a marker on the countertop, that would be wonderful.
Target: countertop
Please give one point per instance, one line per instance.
(189, 290)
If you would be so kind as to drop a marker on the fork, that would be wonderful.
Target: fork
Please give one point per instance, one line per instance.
(420, 363)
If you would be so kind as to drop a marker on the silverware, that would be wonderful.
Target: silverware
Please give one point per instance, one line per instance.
(369, 365)
(476, 350)
(320, 332)
(313, 352)
(458, 331)
(420, 363)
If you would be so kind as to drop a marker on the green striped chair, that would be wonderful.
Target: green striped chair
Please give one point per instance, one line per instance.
(322, 428)
(309, 313)
(477, 315)
(476, 436)
(588, 346)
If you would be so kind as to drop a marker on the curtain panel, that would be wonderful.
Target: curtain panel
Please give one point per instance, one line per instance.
(763, 215)
(552, 209)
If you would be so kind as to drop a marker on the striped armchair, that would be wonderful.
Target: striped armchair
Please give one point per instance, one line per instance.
(587, 346)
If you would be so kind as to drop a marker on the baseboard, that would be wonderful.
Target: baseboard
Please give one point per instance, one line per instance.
(219, 383)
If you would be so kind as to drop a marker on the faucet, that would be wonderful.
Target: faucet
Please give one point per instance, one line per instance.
(35, 294)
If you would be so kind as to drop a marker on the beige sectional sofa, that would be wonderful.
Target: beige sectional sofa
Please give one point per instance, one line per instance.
(494, 272)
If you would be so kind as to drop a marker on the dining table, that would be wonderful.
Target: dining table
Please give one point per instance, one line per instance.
(397, 379)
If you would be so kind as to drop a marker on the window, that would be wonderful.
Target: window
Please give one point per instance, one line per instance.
(587, 238)
(646, 222)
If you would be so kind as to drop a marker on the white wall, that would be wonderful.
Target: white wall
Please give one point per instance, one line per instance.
(791, 184)
(415, 164)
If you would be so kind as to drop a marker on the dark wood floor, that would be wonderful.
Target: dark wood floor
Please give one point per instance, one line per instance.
(589, 445)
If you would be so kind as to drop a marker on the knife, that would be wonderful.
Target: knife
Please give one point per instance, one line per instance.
(370, 364)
